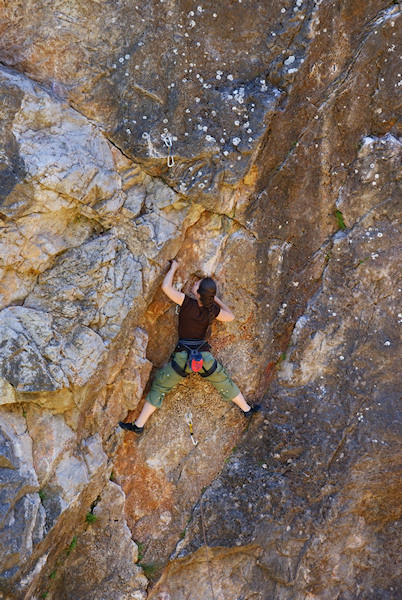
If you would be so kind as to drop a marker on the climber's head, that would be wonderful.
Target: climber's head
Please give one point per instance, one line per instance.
(205, 290)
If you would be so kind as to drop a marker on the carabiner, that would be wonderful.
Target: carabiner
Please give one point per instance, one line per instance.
(167, 139)
(189, 421)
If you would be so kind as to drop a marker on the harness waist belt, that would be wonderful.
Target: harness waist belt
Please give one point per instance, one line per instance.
(201, 345)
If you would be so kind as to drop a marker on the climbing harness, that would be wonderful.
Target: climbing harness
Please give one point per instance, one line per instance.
(194, 358)
(189, 421)
(167, 139)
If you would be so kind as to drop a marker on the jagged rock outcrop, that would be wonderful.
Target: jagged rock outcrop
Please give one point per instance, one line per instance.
(285, 187)
(106, 552)
(309, 505)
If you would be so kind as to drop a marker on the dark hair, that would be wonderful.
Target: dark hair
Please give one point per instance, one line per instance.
(207, 292)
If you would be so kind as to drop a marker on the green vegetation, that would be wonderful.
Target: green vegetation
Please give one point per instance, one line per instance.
(361, 261)
(340, 220)
(45, 594)
(53, 574)
(141, 550)
(149, 569)
(72, 545)
(42, 495)
(90, 517)
(111, 476)
(233, 450)
(291, 147)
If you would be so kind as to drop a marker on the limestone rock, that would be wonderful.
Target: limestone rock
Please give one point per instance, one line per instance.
(93, 285)
(54, 257)
(51, 437)
(27, 339)
(7, 392)
(163, 473)
(105, 553)
(284, 187)
(21, 512)
(299, 505)
(66, 167)
(215, 109)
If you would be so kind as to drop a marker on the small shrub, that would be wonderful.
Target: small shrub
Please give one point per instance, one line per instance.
(141, 551)
(340, 220)
(42, 495)
(72, 545)
(149, 569)
(90, 517)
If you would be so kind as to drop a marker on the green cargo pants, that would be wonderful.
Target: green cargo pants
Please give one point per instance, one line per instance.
(166, 378)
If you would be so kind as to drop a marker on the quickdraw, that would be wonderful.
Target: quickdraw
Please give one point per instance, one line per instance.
(167, 138)
(189, 421)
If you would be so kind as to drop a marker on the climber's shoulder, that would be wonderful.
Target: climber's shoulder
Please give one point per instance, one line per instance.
(173, 294)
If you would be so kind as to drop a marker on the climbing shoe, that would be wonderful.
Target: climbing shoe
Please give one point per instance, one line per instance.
(131, 427)
(253, 409)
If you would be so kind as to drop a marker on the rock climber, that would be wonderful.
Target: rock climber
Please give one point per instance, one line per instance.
(192, 351)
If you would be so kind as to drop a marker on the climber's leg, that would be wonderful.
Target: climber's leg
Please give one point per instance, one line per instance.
(241, 402)
(164, 381)
(146, 412)
(222, 382)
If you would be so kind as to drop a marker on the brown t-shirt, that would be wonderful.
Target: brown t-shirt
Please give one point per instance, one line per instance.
(193, 319)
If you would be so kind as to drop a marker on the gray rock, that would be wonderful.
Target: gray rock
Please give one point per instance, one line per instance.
(107, 552)
(313, 485)
(21, 512)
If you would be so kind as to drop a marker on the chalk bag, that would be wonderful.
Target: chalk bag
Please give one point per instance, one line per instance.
(195, 361)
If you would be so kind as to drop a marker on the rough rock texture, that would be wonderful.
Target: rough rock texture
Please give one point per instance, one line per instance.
(310, 504)
(106, 552)
(285, 187)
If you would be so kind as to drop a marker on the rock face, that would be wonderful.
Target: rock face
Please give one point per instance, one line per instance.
(283, 182)
(309, 504)
(107, 552)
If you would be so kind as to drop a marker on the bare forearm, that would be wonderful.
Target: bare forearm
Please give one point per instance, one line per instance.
(223, 305)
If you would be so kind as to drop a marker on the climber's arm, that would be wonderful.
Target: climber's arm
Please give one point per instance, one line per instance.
(167, 285)
(225, 314)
